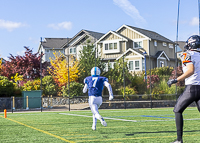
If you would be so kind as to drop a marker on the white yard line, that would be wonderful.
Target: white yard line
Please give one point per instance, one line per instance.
(125, 119)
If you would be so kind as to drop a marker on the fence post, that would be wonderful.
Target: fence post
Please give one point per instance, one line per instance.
(51, 102)
(41, 104)
(27, 103)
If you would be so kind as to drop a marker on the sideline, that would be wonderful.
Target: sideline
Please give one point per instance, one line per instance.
(39, 130)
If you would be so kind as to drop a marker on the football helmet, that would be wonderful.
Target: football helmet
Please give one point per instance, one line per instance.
(193, 43)
(95, 71)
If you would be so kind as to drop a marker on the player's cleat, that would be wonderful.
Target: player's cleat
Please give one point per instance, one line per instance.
(177, 141)
(93, 128)
(103, 122)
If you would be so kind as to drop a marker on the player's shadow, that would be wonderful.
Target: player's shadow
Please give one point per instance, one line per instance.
(158, 132)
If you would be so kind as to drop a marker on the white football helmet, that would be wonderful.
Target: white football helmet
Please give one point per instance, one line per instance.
(95, 71)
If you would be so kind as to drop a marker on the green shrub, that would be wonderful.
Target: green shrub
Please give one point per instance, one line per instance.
(76, 89)
(6, 87)
(31, 85)
(49, 86)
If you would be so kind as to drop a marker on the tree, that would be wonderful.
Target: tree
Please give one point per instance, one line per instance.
(87, 61)
(0, 65)
(115, 76)
(59, 69)
(27, 65)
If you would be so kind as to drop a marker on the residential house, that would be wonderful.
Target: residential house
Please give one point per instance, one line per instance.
(180, 48)
(3, 61)
(132, 43)
(81, 39)
(51, 45)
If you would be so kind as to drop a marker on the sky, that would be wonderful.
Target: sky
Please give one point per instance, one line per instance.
(25, 22)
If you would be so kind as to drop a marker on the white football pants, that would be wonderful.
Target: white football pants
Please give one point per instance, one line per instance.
(95, 103)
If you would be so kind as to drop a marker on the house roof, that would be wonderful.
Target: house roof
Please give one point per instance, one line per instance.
(54, 43)
(131, 50)
(81, 34)
(151, 34)
(160, 53)
(96, 35)
(115, 33)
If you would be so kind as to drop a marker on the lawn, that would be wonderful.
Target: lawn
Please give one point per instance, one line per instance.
(124, 126)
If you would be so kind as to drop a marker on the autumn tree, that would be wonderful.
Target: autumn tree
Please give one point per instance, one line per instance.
(27, 65)
(59, 69)
(0, 65)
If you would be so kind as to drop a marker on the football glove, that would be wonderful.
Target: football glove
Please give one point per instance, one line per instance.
(171, 81)
(110, 97)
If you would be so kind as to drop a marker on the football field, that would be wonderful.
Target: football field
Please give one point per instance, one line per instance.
(123, 126)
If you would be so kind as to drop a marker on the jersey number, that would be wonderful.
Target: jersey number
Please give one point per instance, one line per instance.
(94, 79)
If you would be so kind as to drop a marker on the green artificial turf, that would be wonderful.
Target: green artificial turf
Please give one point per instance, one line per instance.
(124, 126)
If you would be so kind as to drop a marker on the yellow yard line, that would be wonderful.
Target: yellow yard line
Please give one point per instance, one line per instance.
(40, 130)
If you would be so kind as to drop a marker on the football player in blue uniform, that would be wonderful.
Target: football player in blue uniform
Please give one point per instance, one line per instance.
(94, 84)
(191, 74)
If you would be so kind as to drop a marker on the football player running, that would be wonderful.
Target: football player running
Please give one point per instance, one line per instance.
(94, 84)
(191, 74)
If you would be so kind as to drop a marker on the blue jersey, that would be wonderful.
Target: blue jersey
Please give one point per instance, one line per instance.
(95, 85)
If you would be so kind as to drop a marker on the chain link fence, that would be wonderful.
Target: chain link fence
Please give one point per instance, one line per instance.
(49, 103)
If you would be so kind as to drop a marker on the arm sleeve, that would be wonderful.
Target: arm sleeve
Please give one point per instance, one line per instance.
(109, 88)
(85, 88)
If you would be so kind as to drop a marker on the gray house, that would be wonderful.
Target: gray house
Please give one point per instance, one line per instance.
(81, 39)
(51, 45)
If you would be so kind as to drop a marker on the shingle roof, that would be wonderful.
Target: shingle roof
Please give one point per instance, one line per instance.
(55, 43)
(96, 35)
(151, 34)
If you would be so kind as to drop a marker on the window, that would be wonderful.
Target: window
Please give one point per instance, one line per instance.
(164, 44)
(137, 65)
(134, 65)
(72, 50)
(171, 46)
(111, 47)
(155, 43)
(111, 65)
(138, 44)
(106, 46)
(143, 64)
(115, 45)
(131, 65)
(162, 64)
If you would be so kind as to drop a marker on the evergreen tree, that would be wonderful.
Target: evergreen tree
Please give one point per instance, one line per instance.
(87, 61)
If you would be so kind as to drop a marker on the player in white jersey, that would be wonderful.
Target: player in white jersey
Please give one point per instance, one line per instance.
(94, 84)
(191, 74)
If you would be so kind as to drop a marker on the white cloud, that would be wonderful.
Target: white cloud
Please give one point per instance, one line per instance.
(63, 25)
(10, 25)
(21, 53)
(131, 10)
(194, 21)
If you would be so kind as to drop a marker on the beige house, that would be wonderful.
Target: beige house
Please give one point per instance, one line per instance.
(132, 43)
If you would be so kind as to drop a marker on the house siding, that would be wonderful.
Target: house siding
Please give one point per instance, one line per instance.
(130, 34)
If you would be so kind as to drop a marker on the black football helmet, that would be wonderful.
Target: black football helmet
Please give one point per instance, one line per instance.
(193, 43)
